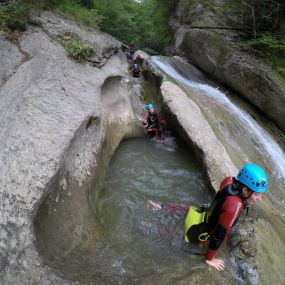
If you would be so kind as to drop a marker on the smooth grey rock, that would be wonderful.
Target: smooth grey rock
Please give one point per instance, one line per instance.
(103, 45)
(208, 148)
(43, 104)
(8, 63)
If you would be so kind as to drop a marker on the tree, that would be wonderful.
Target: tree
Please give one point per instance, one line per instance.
(264, 15)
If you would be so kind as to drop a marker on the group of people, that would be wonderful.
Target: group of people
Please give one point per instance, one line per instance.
(134, 67)
(234, 196)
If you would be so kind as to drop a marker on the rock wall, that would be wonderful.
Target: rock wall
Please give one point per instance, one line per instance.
(57, 116)
(218, 53)
(250, 244)
(209, 149)
(48, 102)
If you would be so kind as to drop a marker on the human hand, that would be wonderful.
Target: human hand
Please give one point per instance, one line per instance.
(154, 206)
(217, 263)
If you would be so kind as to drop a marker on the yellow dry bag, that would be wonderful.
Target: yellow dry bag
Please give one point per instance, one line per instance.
(193, 218)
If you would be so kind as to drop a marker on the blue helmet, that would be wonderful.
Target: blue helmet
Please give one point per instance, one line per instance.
(254, 177)
(149, 106)
(136, 65)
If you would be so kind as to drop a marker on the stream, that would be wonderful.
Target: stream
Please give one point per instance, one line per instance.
(247, 136)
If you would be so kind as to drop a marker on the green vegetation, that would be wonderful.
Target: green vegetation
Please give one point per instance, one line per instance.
(76, 49)
(73, 10)
(271, 48)
(267, 43)
(144, 24)
(13, 16)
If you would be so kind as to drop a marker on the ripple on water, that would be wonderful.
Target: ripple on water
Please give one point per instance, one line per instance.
(137, 241)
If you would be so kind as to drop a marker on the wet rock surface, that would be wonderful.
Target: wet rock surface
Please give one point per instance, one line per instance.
(209, 149)
(253, 259)
(218, 53)
(257, 246)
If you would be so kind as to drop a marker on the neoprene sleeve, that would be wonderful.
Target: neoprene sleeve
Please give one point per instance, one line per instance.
(230, 211)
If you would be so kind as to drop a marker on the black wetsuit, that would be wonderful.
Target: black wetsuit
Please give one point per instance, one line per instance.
(224, 213)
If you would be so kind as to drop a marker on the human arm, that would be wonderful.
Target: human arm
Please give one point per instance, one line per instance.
(230, 211)
(172, 208)
(145, 123)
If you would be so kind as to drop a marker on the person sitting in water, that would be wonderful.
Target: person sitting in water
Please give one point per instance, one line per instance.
(235, 195)
(152, 122)
(135, 70)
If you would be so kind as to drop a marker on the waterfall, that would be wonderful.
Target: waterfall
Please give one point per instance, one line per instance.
(243, 136)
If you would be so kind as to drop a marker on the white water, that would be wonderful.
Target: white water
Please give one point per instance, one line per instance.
(243, 135)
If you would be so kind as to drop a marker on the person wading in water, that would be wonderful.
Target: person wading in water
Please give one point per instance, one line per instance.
(152, 122)
(235, 195)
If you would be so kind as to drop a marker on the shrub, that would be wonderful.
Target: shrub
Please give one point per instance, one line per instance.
(14, 16)
(76, 49)
(74, 11)
(268, 42)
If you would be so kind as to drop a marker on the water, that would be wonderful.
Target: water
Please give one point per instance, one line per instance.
(137, 242)
(246, 138)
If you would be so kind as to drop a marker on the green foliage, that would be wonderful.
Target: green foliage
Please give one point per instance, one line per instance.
(13, 16)
(144, 24)
(268, 42)
(73, 10)
(76, 49)
(272, 49)
(87, 4)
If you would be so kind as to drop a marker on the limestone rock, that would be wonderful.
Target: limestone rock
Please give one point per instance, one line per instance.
(208, 148)
(103, 45)
(217, 53)
(48, 102)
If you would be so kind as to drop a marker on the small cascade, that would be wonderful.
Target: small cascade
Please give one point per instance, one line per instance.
(245, 138)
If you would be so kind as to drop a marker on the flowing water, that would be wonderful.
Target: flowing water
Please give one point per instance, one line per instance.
(138, 245)
(244, 133)
(139, 242)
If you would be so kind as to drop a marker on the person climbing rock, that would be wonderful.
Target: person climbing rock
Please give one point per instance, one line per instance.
(235, 195)
(152, 122)
(135, 70)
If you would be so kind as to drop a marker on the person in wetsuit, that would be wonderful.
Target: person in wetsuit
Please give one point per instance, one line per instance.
(135, 70)
(152, 122)
(235, 195)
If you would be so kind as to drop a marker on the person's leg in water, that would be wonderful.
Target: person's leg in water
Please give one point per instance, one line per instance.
(172, 217)
(198, 244)
(171, 208)
(150, 133)
(158, 132)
